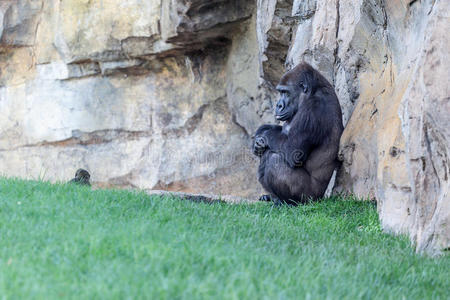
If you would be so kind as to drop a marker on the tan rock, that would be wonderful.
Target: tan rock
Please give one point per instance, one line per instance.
(397, 132)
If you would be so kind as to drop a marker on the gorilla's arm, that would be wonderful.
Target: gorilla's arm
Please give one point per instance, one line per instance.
(268, 127)
(307, 130)
(293, 148)
(261, 142)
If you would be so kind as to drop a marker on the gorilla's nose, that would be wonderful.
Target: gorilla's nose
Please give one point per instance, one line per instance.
(280, 106)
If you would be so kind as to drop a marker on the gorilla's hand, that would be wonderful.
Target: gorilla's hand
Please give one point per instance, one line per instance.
(260, 145)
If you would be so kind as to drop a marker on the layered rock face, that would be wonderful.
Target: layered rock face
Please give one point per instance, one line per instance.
(144, 93)
(166, 94)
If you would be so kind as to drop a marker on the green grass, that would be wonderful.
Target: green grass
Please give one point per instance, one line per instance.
(66, 241)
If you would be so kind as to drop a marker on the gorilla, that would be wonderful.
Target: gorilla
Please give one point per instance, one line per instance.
(81, 177)
(297, 159)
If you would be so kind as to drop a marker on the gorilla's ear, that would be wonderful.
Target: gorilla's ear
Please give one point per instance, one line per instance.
(304, 87)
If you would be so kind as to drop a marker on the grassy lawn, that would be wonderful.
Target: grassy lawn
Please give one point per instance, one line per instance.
(66, 241)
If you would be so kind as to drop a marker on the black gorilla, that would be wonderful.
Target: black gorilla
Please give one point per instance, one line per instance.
(81, 177)
(298, 158)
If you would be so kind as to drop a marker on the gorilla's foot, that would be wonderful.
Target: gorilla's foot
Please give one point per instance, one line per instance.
(269, 198)
(265, 198)
(277, 202)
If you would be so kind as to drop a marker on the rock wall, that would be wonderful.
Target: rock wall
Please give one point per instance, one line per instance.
(387, 60)
(148, 94)
(166, 94)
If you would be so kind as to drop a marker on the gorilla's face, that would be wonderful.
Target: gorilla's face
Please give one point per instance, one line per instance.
(287, 105)
(82, 174)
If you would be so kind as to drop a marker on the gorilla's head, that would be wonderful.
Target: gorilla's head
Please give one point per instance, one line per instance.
(82, 175)
(297, 85)
(287, 105)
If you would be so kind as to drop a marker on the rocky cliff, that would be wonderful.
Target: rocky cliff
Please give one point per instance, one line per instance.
(165, 94)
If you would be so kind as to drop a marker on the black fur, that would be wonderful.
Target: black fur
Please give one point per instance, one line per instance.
(81, 177)
(298, 158)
